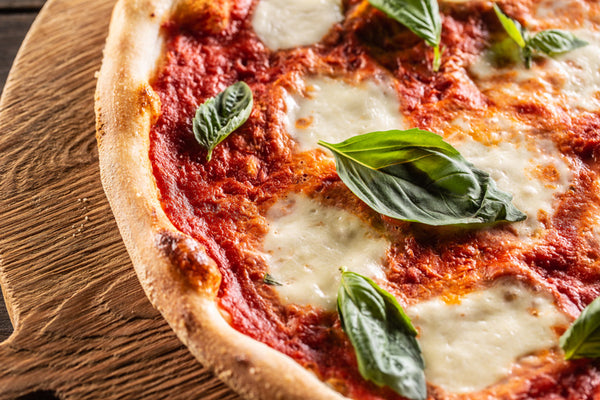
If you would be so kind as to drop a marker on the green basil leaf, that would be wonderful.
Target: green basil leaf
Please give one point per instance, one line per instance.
(550, 42)
(269, 280)
(512, 27)
(527, 53)
(218, 116)
(582, 339)
(383, 337)
(437, 58)
(422, 17)
(414, 175)
(554, 41)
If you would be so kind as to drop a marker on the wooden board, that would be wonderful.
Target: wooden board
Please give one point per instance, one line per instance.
(15, 20)
(83, 327)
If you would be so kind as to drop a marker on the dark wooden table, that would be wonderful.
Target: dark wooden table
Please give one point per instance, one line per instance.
(16, 16)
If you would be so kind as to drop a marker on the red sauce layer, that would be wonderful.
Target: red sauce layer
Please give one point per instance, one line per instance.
(223, 203)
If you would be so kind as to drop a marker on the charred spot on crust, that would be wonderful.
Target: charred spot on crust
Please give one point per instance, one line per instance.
(191, 260)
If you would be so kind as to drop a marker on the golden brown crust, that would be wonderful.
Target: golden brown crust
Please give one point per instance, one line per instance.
(209, 15)
(125, 108)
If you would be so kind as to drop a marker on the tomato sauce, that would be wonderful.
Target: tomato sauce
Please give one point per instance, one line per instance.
(222, 203)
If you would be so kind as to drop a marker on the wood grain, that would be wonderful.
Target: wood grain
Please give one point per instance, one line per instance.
(83, 327)
(16, 17)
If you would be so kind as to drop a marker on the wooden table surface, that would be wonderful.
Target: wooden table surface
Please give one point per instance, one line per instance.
(83, 328)
(16, 17)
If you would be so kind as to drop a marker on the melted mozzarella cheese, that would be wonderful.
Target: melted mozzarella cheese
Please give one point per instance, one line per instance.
(534, 174)
(309, 21)
(306, 245)
(334, 111)
(472, 345)
(569, 80)
(580, 70)
(558, 13)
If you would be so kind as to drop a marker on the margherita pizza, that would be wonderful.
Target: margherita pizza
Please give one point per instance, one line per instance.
(363, 199)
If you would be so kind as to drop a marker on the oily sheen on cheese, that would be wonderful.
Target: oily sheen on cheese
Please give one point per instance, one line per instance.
(489, 302)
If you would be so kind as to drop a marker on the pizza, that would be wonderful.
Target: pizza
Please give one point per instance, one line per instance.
(379, 199)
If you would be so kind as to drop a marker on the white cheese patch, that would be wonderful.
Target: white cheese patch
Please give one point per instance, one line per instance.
(534, 173)
(558, 13)
(549, 8)
(570, 80)
(308, 242)
(472, 345)
(334, 111)
(283, 24)
(580, 70)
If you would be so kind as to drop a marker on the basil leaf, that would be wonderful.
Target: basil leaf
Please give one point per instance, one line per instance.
(218, 116)
(582, 339)
(527, 53)
(269, 280)
(550, 42)
(554, 41)
(422, 17)
(415, 176)
(383, 337)
(512, 27)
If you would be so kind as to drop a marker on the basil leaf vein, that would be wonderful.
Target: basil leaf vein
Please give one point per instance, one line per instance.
(554, 41)
(414, 175)
(550, 42)
(422, 17)
(382, 335)
(218, 116)
(582, 339)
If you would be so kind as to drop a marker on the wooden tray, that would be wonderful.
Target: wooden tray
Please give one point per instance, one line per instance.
(83, 326)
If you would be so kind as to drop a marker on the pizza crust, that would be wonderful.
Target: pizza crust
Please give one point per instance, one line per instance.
(126, 106)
